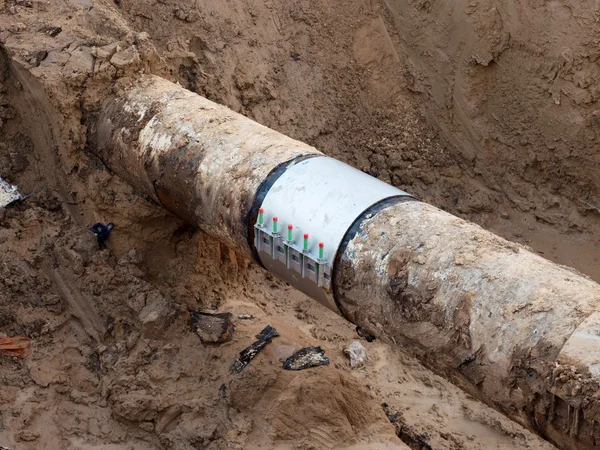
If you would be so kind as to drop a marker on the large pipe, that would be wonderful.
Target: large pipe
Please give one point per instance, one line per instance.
(520, 332)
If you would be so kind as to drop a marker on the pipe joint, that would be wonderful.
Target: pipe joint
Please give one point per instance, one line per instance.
(322, 198)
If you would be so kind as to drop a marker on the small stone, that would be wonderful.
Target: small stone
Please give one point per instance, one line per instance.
(125, 58)
(36, 58)
(420, 259)
(504, 215)
(27, 436)
(186, 16)
(356, 353)
(212, 328)
(51, 31)
(7, 113)
(107, 51)
(245, 316)
(19, 162)
(363, 334)
(168, 416)
(156, 315)
(147, 426)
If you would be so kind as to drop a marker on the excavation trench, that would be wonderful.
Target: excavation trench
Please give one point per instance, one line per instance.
(508, 326)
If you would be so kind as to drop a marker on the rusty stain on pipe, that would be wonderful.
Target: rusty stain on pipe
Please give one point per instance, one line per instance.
(512, 328)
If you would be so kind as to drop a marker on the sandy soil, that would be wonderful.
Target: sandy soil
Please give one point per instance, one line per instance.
(114, 363)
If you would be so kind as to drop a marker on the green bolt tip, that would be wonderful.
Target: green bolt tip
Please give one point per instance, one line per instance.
(306, 242)
(290, 231)
(275, 219)
(321, 250)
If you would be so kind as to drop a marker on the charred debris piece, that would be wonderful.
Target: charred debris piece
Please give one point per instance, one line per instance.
(363, 334)
(407, 434)
(248, 354)
(305, 358)
(212, 328)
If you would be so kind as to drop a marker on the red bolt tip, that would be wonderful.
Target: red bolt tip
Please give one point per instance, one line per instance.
(306, 236)
(290, 227)
(321, 245)
(260, 210)
(275, 219)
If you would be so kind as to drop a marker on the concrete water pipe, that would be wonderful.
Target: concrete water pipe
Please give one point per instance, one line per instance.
(514, 329)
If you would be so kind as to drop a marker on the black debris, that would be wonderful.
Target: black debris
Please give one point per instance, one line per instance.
(223, 391)
(212, 328)
(363, 334)
(36, 58)
(110, 324)
(51, 31)
(249, 353)
(295, 56)
(406, 433)
(102, 232)
(305, 358)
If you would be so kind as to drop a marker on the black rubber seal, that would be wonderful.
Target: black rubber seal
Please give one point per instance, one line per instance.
(262, 191)
(352, 232)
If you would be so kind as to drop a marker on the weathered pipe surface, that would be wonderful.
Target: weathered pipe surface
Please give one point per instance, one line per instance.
(514, 329)
(200, 160)
(484, 312)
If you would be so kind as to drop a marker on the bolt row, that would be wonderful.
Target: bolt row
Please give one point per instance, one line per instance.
(290, 233)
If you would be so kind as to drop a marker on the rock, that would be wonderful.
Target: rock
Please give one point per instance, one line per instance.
(51, 31)
(107, 51)
(7, 113)
(18, 161)
(147, 426)
(127, 57)
(186, 16)
(27, 436)
(357, 354)
(36, 58)
(366, 336)
(136, 406)
(167, 417)
(45, 376)
(212, 328)
(156, 316)
(493, 38)
(504, 215)
(48, 200)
